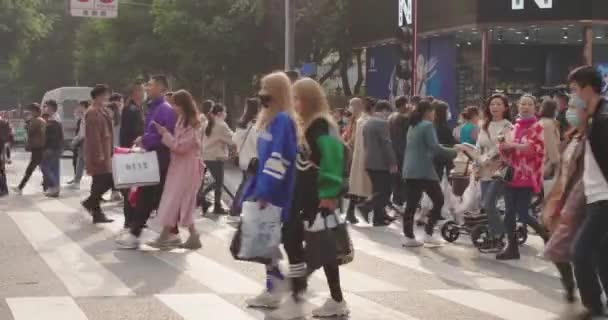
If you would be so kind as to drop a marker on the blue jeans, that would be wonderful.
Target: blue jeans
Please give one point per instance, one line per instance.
(590, 258)
(517, 202)
(490, 192)
(50, 167)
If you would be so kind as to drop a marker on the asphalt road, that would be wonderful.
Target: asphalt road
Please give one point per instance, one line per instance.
(56, 265)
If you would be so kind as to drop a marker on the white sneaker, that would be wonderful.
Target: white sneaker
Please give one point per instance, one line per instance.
(290, 309)
(127, 241)
(433, 241)
(265, 300)
(331, 308)
(412, 243)
(17, 191)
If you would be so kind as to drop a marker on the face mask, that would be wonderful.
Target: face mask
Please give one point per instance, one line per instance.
(572, 118)
(577, 102)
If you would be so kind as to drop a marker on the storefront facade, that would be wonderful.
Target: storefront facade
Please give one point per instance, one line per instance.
(467, 49)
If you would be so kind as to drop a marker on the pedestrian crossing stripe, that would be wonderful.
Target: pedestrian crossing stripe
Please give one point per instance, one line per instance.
(189, 307)
(82, 275)
(493, 305)
(36, 223)
(45, 308)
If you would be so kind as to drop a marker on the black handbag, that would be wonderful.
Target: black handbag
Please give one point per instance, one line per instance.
(504, 173)
(329, 246)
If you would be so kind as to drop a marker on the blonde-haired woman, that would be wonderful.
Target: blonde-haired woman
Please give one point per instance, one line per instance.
(274, 180)
(319, 182)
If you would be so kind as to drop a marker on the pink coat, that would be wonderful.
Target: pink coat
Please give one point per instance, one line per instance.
(184, 178)
(527, 164)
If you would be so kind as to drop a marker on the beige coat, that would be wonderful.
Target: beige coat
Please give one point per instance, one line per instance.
(359, 182)
(552, 143)
(216, 145)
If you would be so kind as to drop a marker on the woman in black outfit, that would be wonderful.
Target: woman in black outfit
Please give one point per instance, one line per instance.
(131, 127)
(444, 135)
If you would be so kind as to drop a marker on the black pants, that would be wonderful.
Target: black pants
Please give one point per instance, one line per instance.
(293, 242)
(566, 273)
(216, 168)
(415, 189)
(100, 184)
(127, 209)
(75, 159)
(381, 189)
(517, 205)
(590, 256)
(148, 200)
(398, 185)
(35, 160)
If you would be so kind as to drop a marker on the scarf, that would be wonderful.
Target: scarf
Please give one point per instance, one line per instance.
(522, 125)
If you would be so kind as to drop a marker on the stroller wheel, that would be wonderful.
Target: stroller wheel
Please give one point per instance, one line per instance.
(450, 231)
(522, 234)
(480, 236)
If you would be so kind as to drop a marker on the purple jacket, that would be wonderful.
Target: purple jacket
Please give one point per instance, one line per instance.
(160, 111)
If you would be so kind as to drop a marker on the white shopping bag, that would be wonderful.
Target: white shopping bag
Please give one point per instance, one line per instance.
(260, 231)
(450, 200)
(471, 199)
(135, 170)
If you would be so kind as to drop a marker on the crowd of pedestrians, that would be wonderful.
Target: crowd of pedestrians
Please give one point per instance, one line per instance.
(382, 158)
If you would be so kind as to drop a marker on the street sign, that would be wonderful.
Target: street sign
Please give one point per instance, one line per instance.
(94, 8)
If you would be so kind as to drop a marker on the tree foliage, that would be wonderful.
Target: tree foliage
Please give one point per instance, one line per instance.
(211, 47)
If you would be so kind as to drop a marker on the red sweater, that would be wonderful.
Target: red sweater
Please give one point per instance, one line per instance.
(527, 163)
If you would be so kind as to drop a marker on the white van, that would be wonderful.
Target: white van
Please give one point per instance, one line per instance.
(68, 99)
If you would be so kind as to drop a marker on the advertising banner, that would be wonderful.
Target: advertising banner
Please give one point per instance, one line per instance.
(381, 82)
(436, 70)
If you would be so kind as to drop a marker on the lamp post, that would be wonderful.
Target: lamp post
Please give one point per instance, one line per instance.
(290, 31)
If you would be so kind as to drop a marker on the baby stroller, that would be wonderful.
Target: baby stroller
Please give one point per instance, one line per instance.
(474, 221)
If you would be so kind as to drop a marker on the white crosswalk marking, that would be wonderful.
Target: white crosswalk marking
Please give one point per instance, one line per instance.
(45, 308)
(82, 275)
(82, 259)
(210, 273)
(194, 306)
(362, 308)
(353, 281)
(491, 304)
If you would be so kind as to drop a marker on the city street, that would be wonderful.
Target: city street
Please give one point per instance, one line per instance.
(57, 265)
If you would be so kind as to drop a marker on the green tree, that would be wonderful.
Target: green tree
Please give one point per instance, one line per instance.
(121, 50)
(22, 22)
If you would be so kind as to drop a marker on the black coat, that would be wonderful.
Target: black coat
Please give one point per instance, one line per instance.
(131, 125)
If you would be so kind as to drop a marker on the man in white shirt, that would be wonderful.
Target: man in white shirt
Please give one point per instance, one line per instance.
(590, 256)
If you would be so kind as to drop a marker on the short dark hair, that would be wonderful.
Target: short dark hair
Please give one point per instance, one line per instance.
(52, 104)
(370, 103)
(293, 75)
(548, 108)
(162, 80)
(116, 97)
(586, 76)
(85, 104)
(470, 112)
(415, 100)
(382, 106)
(401, 102)
(99, 89)
(34, 107)
(422, 108)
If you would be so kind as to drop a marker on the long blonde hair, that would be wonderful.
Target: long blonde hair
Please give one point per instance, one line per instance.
(315, 103)
(278, 86)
